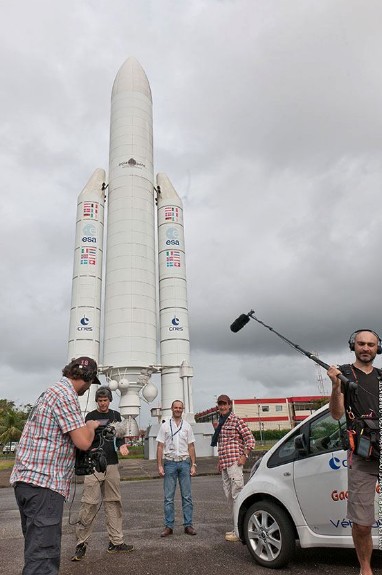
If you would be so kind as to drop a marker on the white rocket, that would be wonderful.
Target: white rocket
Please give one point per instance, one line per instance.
(140, 241)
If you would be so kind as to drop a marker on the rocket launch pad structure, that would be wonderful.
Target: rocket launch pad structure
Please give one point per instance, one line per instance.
(145, 256)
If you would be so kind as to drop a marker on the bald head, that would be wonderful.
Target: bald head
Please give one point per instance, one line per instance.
(365, 346)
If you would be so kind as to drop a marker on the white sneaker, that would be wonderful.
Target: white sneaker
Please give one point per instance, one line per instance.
(230, 536)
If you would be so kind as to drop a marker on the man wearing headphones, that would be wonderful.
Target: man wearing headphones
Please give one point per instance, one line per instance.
(104, 486)
(44, 463)
(362, 467)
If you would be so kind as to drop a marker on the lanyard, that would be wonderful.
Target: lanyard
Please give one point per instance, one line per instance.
(177, 431)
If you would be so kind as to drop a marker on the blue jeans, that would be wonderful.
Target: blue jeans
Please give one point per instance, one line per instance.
(173, 471)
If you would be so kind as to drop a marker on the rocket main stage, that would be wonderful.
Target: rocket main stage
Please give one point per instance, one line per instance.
(145, 256)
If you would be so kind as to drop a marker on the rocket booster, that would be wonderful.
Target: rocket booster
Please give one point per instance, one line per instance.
(173, 308)
(85, 312)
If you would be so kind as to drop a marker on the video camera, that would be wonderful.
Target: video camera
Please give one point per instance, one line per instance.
(87, 462)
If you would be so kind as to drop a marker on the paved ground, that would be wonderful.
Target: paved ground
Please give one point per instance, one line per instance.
(180, 554)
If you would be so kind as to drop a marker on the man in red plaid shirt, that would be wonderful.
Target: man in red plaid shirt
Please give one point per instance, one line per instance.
(44, 464)
(235, 441)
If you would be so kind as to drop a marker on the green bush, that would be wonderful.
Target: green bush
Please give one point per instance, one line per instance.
(270, 434)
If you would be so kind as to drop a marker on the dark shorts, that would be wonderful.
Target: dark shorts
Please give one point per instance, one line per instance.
(361, 496)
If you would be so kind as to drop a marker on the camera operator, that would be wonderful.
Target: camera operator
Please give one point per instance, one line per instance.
(44, 464)
(103, 486)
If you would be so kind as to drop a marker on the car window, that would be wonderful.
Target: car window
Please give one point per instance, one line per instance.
(325, 434)
(285, 453)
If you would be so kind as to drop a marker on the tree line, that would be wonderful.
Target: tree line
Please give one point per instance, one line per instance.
(12, 420)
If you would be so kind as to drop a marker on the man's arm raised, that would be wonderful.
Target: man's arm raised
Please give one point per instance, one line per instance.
(336, 403)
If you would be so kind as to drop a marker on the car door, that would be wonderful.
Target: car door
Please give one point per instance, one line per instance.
(320, 477)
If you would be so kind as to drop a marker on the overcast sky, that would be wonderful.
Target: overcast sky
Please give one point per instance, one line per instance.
(267, 119)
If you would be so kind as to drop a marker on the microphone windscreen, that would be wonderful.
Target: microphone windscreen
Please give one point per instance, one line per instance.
(239, 323)
(120, 428)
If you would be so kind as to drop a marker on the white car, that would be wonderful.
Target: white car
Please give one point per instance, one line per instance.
(298, 491)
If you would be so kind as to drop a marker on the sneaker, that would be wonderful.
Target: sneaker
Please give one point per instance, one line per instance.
(121, 548)
(230, 536)
(80, 552)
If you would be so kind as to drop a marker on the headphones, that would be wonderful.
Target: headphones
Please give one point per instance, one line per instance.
(102, 391)
(351, 341)
(87, 375)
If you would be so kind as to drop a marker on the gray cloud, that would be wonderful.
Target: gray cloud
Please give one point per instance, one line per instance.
(267, 122)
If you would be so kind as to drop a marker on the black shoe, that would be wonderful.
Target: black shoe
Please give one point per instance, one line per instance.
(121, 548)
(80, 552)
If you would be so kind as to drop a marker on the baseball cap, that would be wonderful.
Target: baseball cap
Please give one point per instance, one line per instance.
(89, 368)
(224, 398)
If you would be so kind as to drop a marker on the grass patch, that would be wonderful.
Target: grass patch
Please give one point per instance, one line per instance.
(135, 452)
(6, 464)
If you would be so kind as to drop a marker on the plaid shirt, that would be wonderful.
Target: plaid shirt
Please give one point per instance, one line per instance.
(46, 453)
(234, 437)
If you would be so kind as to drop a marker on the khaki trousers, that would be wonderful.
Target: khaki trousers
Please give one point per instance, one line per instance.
(98, 488)
(233, 483)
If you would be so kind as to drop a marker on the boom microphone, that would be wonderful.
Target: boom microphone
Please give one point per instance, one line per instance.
(243, 319)
(240, 322)
(120, 428)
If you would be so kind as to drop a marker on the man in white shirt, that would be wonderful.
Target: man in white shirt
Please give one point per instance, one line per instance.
(176, 462)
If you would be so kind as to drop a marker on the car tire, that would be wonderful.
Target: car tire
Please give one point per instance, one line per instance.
(269, 534)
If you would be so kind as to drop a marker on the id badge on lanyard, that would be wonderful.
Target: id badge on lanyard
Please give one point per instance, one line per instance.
(174, 434)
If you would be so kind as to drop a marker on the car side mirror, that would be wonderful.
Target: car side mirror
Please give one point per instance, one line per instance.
(300, 444)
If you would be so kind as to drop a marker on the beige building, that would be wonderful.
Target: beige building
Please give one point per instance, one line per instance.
(269, 413)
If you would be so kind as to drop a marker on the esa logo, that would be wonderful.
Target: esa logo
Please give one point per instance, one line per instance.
(175, 324)
(89, 231)
(172, 235)
(84, 324)
(336, 463)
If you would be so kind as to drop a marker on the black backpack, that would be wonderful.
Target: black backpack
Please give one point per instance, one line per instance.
(363, 432)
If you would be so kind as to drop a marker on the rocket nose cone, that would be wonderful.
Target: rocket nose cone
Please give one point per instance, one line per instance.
(95, 182)
(131, 78)
(167, 190)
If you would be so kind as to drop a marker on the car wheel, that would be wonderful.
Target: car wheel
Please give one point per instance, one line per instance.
(269, 534)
